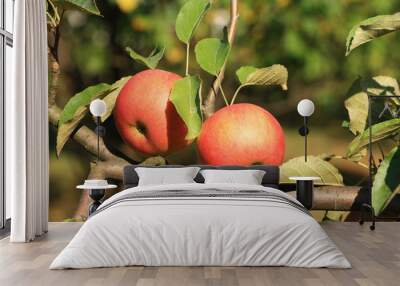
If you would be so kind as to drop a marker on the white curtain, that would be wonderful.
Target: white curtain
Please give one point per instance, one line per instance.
(27, 146)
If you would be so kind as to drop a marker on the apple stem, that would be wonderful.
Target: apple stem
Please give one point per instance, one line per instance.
(236, 93)
(187, 58)
(223, 95)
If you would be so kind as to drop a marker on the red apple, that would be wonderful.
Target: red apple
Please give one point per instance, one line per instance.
(144, 116)
(242, 134)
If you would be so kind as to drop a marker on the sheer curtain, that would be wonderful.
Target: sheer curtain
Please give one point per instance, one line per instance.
(27, 146)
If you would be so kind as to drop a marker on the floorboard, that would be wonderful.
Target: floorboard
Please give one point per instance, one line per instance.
(375, 257)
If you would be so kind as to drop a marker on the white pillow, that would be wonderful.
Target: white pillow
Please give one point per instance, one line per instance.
(164, 176)
(248, 177)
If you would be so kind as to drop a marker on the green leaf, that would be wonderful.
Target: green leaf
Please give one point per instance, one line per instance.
(379, 132)
(211, 54)
(357, 108)
(110, 98)
(314, 167)
(88, 6)
(82, 98)
(77, 108)
(370, 29)
(357, 103)
(387, 181)
(189, 18)
(151, 61)
(381, 85)
(273, 75)
(65, 130)
(244, 72)
(186, 99)
(357, 157)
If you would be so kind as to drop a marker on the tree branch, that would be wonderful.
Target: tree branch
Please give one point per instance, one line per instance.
(337, 198)
(209, 103)
(55, 74)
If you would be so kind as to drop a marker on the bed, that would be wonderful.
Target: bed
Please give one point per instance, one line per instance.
(201, 224)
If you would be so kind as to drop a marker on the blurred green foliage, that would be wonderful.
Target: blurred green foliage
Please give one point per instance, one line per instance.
(306, 36)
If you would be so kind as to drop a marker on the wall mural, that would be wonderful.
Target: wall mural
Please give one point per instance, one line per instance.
(211, 91)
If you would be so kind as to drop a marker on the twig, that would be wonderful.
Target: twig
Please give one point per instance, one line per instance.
(187, 58)
(56, 42)
(237, 92)
(55, 29)
(54, 21)
(209, 103)
(54, 69)
(345, 158)
(223, 95)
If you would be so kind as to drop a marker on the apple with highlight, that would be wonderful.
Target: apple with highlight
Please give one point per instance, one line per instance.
(242, 134)
(145, 118)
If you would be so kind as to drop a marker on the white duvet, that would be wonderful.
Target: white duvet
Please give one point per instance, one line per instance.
(203, 231)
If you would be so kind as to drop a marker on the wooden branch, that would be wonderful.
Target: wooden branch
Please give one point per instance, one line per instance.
(209, 104)
(337, 198)
(56, 41)
(55, 74)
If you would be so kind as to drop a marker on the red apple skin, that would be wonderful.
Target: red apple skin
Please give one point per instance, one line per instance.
(242, 134)
(144, 116)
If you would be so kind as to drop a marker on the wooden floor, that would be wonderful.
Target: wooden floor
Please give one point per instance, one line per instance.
(375, 257)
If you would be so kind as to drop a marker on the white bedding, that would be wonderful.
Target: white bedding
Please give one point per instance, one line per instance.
(188, 231)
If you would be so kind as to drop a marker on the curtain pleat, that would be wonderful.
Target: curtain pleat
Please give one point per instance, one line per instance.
(28, 161)
(44, 119)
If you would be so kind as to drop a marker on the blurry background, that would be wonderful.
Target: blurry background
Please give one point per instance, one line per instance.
(307, 36)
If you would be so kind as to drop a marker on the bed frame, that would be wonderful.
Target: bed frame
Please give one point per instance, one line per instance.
(270, 179)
